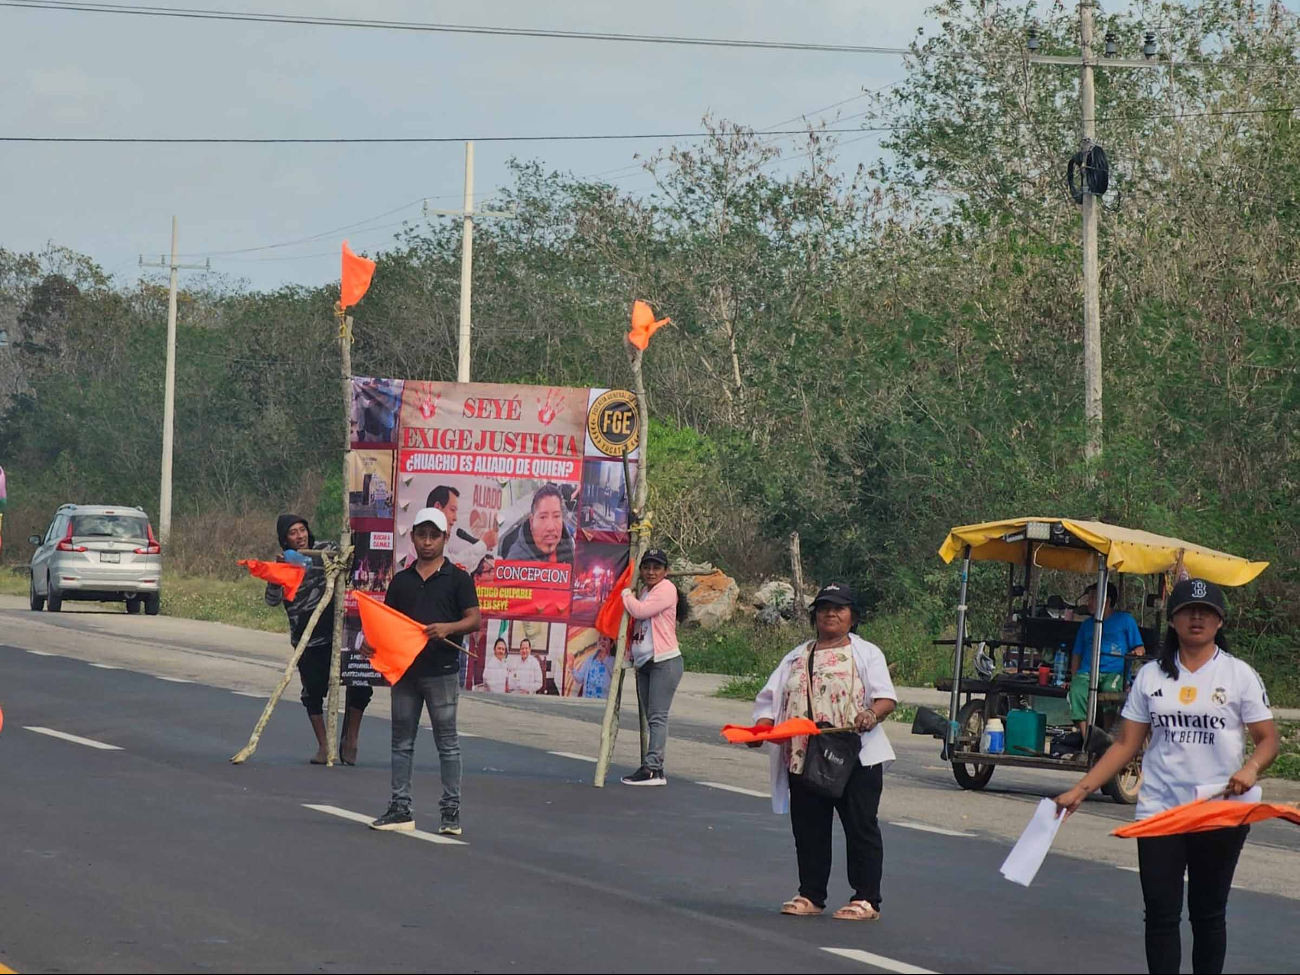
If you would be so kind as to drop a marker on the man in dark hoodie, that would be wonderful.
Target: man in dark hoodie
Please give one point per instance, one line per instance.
(544, 537)
(314, 664)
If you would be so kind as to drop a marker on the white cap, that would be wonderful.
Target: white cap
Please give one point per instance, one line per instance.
(432, 515)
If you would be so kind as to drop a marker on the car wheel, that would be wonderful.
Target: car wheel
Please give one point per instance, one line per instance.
(37, 602)
(134, 604)
(54, 597)
(152, 603)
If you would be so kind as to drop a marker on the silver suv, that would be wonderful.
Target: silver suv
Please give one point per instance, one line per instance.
(105, 553)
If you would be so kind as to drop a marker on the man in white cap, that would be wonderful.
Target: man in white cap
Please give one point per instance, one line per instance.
(441, 595)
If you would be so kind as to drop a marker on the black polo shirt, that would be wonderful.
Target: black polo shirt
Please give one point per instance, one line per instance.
(444, 597)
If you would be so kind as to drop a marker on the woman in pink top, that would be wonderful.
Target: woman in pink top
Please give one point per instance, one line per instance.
(657, 658)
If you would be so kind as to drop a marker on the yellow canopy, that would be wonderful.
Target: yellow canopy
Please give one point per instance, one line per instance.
(1126, 550)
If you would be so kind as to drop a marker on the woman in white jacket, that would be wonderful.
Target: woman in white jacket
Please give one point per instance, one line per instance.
(850, 687)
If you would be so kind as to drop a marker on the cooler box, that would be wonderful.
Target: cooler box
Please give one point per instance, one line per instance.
(1026, 732)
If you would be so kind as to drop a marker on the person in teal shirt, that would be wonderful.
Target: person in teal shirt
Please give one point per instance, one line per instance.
(1119, 636)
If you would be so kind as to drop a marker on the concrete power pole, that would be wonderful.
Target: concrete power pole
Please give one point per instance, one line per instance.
(1087, 62)
(169, 389)
(466, 260)
(1091, 269)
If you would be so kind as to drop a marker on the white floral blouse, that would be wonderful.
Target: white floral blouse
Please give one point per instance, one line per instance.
(837, 696)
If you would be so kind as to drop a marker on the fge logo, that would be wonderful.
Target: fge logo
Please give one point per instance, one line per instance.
(613, 423)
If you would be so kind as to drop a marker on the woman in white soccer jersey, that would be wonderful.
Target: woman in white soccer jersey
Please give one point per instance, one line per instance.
(1197, 703)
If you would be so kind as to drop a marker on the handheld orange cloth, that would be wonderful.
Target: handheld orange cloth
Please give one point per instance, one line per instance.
(281, 573)
(1207, 814)
(395, 639)
(790, 728)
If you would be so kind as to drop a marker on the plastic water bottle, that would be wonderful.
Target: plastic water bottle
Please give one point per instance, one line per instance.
(1058, 666)
(994, 739)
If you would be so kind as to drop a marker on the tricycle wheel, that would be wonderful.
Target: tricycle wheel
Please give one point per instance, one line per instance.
(1124, 787)
(970, 719)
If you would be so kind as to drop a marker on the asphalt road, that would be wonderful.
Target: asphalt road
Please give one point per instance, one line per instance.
(161, 856)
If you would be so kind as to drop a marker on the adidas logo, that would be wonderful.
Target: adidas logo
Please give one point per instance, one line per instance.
(1158, 692)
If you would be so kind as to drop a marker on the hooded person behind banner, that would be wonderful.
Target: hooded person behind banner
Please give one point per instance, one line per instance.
(544, 535)
(314, 664)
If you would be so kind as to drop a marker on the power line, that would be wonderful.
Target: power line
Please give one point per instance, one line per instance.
(314, 237)
(140, 10)
(215, 140)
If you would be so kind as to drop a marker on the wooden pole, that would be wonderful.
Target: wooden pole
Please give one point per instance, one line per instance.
(345, 541)
(331, 574)
(796, 572)
(638, 542)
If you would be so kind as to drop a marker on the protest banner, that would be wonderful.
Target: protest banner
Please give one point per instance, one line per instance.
(531, 481)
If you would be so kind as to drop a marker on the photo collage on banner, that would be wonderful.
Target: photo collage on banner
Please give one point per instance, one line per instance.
(532, 483)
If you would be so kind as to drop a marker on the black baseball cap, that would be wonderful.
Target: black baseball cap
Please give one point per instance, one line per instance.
(840, 593)
(1197, 592)
(655, 555)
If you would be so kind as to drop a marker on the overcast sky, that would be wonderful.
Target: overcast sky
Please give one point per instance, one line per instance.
(76, 73)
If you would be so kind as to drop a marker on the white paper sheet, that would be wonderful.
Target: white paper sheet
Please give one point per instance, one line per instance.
(1253, 794)
(1027, 855)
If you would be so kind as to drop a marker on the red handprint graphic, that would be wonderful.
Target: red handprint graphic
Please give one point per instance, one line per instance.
(549, 410)
(429, 405)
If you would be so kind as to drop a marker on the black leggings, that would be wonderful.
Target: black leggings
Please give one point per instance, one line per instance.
(314, 670)
(1209, 858)
(811, 819)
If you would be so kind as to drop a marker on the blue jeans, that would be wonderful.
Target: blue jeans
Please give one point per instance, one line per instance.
(410, 696)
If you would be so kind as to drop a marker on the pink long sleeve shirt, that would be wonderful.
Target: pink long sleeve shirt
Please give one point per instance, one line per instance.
(654, 632)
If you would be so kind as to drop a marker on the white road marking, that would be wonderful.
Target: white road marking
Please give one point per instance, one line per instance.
(932, 829)
(736, 789)
(90, 742)
(106, 667)
(41, 653)
(249, 694)
(572, 755)
(466, 734)
(417, 834)
(878, 961)
(174, 680)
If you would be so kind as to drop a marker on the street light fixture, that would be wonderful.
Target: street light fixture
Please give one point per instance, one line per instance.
(1149, 48)
(1112, 44)
(1033, 40)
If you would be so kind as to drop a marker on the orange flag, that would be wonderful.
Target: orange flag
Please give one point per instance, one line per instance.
(395, 639)
(286, 575)
(1207, 814)
(790, 728)
(357, 272)
(611, 613)
(644, 324)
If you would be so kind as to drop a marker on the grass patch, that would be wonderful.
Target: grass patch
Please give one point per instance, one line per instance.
(1287, 765)
(238, 602)
(749, 651)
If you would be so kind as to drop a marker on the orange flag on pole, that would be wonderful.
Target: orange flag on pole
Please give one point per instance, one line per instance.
(281, 573)
(644, 324)
(611, 613)
(357, 272)
(1207, 814)
(395, 639)
(790, 728)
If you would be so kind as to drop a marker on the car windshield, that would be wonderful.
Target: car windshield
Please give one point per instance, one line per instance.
(110, 526)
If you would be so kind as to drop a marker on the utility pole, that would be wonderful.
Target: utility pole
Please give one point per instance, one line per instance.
(1087, 62)
(466, 258)
(169, 393)
(1091, 267)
